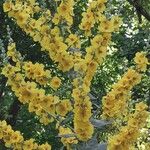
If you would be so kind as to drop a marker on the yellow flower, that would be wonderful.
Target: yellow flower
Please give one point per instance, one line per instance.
(21, 18)
(92, 66)
(117, 139)
(141, 61)
(105, 26)
(7, 6)
(82, 110)
(49, 103)
(106, 39)
(76, 93)
(69, 19)
(96, 41)
(71, 39)
(141, 106)
(102, 1)
(27, 92)
(10, 70)
(55, 83)
(129, 133)
(76, 82)
(68, 140)
(11, 46)
(32, 2)
(28, 144)
(65, 62)
(16, 137)
(45, 119)
(100, 7)
(116, 21)
(63, 107)
(80, 67)
(63, 9)
(120, 94)
(101, 17)
(100, 53)
(88, 15)
(33, 107)
(56, 18)
(86, 25)
(13, 53)
(45, 146)
(132, 122)
(84, 130)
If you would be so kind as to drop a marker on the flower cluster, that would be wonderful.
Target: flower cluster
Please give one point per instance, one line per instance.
(115, 102)
(33, 71)
(25, 91)
(94, 14)
(68, 137)
(86, 69)
(14, 139)
(65, 51)
(13, 53)
(40, 75)
(107, 25)
(50, 39)
(36, 72)
(141, 61)
(73, 41)
(64, 13)
(45, 106)
(83, 106)
(129, 133)
(63, 107)
(82, 112)
(98, 49)
(39, 29)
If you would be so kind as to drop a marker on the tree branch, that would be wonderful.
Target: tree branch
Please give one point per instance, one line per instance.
(13, 112)
(139, 8)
